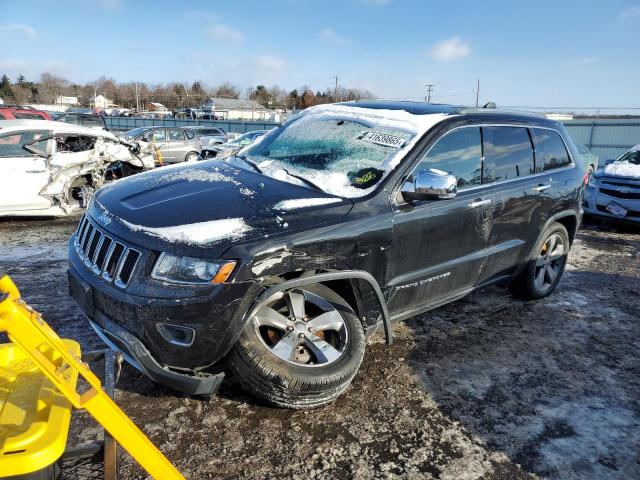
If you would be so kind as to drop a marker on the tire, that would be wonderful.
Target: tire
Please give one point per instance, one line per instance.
(303, 380)
(191, 157)
(543, 272)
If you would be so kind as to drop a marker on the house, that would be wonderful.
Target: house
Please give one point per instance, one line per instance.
(156, 107)
(67, 101)
(235, 109)
(100, 101)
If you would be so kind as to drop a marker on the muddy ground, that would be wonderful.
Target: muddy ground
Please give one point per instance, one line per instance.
(488, 387)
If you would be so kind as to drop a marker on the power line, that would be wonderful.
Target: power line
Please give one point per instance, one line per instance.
(429, 90)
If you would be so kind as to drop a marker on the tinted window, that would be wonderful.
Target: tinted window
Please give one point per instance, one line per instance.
(70, 118)
(12, 144)
(175, 134)
(458, 153)
(25, 116)
(508, 153)
(91, 121)
(550, 150)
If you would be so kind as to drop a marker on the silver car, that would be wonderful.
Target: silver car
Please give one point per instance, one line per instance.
(232, 147)
(613, 192)
(210, 135)
(590, 160)
(174, 144)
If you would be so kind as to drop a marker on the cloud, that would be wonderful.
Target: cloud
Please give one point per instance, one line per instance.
(630, 12)
(579, 61)
(221, 31)
(20, 28)
(269, 62)
(331, 36)
(449, 49)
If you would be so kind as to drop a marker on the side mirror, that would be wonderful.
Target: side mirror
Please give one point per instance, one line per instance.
(430, 184)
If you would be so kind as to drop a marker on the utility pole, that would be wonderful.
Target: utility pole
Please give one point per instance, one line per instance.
(429, 90)
(137, 99)
(478, 93)
(335, 92)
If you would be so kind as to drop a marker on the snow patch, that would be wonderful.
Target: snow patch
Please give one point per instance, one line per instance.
(623, 169)
(201, 233)
(198, 175)
(296, 203)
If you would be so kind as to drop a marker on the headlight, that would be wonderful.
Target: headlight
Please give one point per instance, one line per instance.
(170, 268)
(592, 180)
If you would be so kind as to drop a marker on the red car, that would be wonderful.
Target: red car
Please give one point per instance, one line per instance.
(21, 113)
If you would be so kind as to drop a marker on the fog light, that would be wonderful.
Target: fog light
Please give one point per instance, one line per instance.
(176, 334)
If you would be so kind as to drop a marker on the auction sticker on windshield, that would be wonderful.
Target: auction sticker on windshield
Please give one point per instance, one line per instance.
(383, 139)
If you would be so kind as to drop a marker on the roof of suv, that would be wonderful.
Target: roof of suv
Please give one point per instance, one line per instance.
(415, 108)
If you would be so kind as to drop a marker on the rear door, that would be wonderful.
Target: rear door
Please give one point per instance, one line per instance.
(438, 246)
(177, 144)
(23, 174)
(509, 165)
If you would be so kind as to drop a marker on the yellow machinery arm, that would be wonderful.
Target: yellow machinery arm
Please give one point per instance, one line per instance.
(33, 335)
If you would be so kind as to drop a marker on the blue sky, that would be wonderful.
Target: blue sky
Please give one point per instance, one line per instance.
(542, 53)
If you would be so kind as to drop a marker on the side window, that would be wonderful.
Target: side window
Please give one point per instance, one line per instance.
(550, 150)
(508, 153)
(70, 118)
(12, 144)
(26, 116)
(458, 153)
(190, 134)
(175, 135)
(157, 135)
(74, 143)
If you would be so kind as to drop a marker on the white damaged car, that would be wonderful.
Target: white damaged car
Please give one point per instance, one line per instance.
(53, 168)
(613, 192)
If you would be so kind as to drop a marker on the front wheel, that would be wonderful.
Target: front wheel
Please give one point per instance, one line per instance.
(301, 349)
(543, 272)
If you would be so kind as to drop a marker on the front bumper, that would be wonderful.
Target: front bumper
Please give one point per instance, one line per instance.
(597, 199)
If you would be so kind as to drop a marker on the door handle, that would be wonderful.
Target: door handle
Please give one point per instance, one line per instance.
(478, 202)
(541, 188)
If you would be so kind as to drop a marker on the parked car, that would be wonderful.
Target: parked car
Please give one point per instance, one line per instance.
(232, 147)
(342, 220)
(210, 135)
(89, 120)
(175, 144)
(613, 192)
(49, 168)
(9, 112)
(588, 158)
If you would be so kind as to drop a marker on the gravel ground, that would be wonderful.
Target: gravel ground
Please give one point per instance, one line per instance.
(487, 387)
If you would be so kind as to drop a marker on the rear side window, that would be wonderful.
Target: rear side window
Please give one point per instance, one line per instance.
(508, 153)
(550, 150)
(12, 144)
(25, 116)
(175, 134)
(458, 153)
(189, 134)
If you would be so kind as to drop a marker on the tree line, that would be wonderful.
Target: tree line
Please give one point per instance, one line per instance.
(173, 95)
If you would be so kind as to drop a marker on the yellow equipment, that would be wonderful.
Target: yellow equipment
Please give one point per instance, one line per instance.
(38, 376)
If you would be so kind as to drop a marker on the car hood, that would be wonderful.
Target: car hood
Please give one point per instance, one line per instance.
(204, 208)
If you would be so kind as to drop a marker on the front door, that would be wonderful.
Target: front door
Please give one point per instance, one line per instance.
(438, 246)
(177, 145)
(23, 174)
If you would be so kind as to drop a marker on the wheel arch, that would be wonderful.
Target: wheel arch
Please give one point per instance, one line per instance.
(358, 288)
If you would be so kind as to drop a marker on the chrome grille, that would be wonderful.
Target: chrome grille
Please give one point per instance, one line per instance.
(106, 257)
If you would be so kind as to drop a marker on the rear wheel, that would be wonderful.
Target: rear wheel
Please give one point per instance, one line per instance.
(301, 349)
(191, 157)
(543, 272)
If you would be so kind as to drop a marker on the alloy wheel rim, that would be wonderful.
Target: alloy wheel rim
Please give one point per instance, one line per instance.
(302, 328)
(549, 263)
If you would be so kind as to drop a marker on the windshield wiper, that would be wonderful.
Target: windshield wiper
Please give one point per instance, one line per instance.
(250, 162)
(304, 180)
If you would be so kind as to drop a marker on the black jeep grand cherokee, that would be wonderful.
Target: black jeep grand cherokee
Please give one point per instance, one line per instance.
(346, 218)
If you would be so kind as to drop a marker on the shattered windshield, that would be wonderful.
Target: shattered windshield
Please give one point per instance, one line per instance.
(342, 156)
(632, 156)
(134, 133)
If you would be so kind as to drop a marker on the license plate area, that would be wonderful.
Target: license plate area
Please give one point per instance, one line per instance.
(81, 292)
(617, 210)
